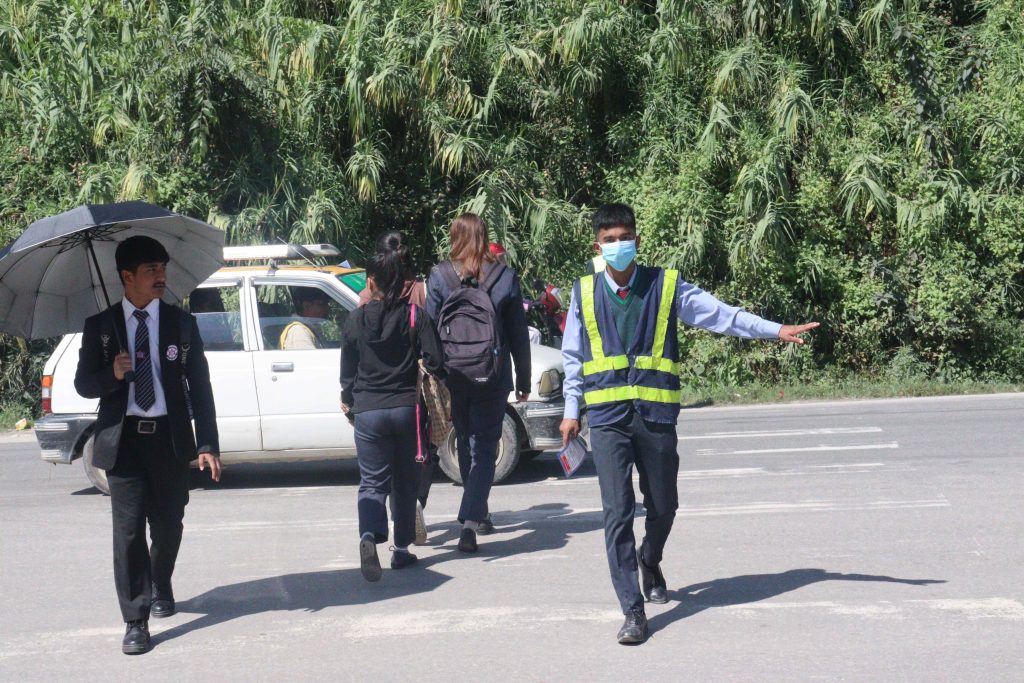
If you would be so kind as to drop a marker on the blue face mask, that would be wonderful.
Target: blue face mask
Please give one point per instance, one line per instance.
(619, 255)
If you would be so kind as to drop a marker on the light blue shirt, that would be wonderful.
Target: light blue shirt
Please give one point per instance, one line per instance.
(694, 306)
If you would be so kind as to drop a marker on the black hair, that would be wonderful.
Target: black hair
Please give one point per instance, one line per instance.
(205, 300)
(388, 273)
(301, 295)
(396, 241)
(134, 251)
(613, 215)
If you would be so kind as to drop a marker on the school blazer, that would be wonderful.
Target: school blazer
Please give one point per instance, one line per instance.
(183, 368)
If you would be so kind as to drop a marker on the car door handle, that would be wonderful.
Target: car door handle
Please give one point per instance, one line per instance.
(282, 367)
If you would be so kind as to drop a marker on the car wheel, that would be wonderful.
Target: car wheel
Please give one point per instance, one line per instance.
(507, 459)
(97, 477)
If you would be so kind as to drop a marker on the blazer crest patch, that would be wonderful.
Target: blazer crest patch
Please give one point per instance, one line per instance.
(172, 353)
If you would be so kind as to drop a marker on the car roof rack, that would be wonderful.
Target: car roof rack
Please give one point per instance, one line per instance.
(281, 252)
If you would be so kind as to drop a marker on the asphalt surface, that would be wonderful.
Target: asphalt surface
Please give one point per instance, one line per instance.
(852, 541)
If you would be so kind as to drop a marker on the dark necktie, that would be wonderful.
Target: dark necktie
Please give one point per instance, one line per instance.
(623, 293)
(145, 394)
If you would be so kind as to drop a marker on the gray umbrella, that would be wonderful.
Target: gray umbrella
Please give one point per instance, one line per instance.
(61, 270)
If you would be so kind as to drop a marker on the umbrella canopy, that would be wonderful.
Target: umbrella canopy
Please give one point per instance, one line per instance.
(49, 282)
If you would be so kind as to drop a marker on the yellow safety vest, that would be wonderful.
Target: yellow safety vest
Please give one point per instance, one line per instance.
(655, 361)
(288, 328)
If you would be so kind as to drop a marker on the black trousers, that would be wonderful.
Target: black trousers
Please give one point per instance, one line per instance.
(652, 447)
(477, 433)
(147, 483)
(386, 449)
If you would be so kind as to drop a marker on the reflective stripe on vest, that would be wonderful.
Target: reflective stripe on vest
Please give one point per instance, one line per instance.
(655, 362)
(632, 392)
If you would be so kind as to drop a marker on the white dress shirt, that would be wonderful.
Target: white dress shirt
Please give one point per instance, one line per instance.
(131, 323)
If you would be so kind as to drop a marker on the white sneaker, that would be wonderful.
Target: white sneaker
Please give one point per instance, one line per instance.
(421, 526)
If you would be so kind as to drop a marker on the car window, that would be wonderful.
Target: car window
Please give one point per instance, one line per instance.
(296, 317)
(218, 316)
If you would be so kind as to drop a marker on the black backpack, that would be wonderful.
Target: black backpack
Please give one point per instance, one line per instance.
(470, 331)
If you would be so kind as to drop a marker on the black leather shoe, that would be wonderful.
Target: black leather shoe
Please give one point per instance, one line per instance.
(400, 560)
(136, 637)
(369, 563)
(485, 527)
(467, 541)
(634, 629)
(162, 605)
(161, 608)
(652, 581)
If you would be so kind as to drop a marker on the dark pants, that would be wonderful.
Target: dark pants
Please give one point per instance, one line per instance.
(147, 483)
(478, 429)
(386, 447)
(616, 448)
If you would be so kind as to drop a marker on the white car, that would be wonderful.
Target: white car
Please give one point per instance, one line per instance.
(275, 404)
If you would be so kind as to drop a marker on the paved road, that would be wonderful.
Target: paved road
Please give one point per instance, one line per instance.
(855, 541)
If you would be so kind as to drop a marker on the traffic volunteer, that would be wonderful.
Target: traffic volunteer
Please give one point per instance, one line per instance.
(621, 357)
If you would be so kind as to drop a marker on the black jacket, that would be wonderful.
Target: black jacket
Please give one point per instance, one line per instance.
(185, 361)
(380, 356)
(507, 297)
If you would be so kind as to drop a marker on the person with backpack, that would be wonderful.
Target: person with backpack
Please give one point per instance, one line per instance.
(414, 291)
(478, 305)
(382, 343)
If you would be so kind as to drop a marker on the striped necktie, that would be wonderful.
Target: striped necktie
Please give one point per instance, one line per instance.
(145, 394)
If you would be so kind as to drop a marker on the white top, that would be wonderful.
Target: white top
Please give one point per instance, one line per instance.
(131, 323)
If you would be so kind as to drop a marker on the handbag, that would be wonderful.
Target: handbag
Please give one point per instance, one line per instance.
(431, 395)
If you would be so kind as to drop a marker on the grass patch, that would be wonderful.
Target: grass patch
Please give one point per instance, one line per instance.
(10, 415)
(838, 389)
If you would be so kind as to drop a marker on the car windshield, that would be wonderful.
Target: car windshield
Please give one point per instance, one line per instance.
(354, 281)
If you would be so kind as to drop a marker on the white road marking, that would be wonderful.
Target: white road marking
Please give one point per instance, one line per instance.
(809, 506)
(509, 520)
(736, 472)
(815, 449)
(783, 433)
(990, 608)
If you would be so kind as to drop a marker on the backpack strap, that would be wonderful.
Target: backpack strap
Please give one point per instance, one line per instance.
(493, 275)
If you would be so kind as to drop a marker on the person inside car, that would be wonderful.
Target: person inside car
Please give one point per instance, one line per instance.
(310, 302)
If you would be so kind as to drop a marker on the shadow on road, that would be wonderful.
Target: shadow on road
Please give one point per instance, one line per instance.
(307, 592)
(740, 590)
(548, 527)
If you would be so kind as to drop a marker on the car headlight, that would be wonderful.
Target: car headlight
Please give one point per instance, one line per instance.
(550, 383)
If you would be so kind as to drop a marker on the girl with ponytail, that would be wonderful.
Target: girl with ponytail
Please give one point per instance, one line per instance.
(382, 343)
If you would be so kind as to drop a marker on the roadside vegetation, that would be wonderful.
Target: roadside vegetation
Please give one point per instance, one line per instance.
(856, 163)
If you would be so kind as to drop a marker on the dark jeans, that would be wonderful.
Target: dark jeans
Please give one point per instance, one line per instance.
(616, 448)
(478, 429)
(147, 483)
(386, 447)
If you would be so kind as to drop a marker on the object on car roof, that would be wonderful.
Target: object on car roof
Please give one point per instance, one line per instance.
(282, 252)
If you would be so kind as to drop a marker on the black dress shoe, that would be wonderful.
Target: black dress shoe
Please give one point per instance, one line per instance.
(400, 560)
(467, 541)
(652, 581)
(485, 527)
(634, 629)
(369, 563)
(136, 637)
(162, 608)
